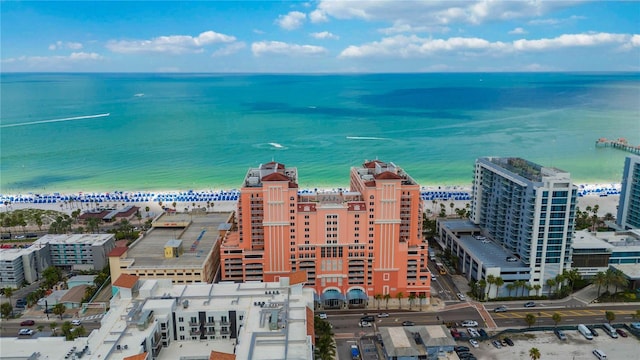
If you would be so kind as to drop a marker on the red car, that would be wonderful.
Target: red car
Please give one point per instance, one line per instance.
(621, 332)
(27, 323)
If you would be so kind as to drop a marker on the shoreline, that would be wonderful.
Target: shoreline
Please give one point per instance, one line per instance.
(606, 196)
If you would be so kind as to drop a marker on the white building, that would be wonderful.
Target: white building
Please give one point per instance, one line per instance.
(18, 266)
(78, 251)
(153, 319)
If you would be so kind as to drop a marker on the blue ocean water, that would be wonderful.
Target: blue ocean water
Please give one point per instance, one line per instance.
(203, 131)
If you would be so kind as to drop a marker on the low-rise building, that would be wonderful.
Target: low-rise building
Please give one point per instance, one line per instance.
(415, 342)
(155, 319)
(77, 251)
(179, 246)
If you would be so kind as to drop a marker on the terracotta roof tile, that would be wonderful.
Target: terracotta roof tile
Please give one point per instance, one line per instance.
(272, 165)
(387, 175)
(143, 356)
(126, 281)
(372, 164)
(217, 355)
(311, 326)
(118, 251)
(276, 176)
(298, 277)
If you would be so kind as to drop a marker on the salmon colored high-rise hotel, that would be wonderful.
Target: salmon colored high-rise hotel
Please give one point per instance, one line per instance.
(353, 244)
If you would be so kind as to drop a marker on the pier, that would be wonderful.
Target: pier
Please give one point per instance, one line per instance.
(620, 143)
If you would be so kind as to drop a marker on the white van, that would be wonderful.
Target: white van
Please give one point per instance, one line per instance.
(585, 332)
(610, 330)
(599, 354)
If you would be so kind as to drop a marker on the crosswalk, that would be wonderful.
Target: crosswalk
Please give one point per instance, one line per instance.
(92, 317)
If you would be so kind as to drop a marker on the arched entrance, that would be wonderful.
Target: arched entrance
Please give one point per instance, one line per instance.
(357, 298)
(332, 299)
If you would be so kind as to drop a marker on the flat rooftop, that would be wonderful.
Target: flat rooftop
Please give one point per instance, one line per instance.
(70, 239)
(584, 239)
(198, 239)
(525, 168)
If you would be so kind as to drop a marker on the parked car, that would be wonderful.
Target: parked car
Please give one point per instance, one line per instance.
(368, 318)
(500, 309)
(474, 343)
(461, 296)
(529, 304)
(465, 356)
(408, 323)
(383, 315)
(473, 332)
(483, 333)
(621, 332)
(322, 315)
(364, 324)
(635, 325)
(469, 323)
(497, 344)
(593, 330)
(27, 332)
(76, 322)
(509, 341)
(28, 323)
(455, 333)
(461, 349)
(560, 334)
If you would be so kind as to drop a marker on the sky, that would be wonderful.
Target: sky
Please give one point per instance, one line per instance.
(337, 36)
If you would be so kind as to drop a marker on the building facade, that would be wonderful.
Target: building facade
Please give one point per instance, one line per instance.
(528, 210)
(628, 216)
(78, 251)
(353, 244)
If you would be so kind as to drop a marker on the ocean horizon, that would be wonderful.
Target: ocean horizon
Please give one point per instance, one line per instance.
(70, 132)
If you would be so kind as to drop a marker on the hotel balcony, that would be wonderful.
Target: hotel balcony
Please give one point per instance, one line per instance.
(194, 332)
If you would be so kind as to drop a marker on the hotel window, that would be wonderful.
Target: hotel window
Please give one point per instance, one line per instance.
(292, 211)
(385, 277)
(181, 319)
(210, 319)
(306, 216)
(181, 328)
(241, 317)
(194, 319)
(181, 337)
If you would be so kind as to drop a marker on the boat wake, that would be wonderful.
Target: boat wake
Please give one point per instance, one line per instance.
(365, 138)
(276, 145)
(56, 120)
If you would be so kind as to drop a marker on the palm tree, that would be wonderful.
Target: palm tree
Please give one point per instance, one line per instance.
(499, 282)
(559, 282)
(610, 316)
(452, 205)
(510, 287)
(528, 287)
(8, 292)
(482, 284)
(378, 297)
(6, 309)
(530, 319)
(399, 296)
(556, 317)
(520, 285)
(619, 280)
(53, 326)
(491, 279)
(146, 210)
(551, 283)
(534, 354)
(537, 288)
(59, 309)
(412, 298)
(174, 205)
(387, 297)
(600, 279)
(423, 296)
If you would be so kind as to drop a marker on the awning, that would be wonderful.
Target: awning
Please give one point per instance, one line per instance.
(332, 295)
(354, 294)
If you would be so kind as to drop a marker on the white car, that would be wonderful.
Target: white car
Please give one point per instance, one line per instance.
(383, 315)
(25, 332)
(474, 343)
(76, 322)
(469, 323)
(365, 324)
(461, 296)
(322, 316)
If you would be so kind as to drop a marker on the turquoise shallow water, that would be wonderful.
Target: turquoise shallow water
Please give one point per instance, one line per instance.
(202, 131)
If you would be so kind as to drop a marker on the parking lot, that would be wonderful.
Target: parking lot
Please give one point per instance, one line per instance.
(576, 347)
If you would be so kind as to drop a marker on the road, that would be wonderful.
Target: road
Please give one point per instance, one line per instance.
(10, 328)
(569, 315)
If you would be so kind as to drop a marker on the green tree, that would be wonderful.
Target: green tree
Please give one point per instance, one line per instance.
(59, 309)
(93, 225)
(422, 297)
(610, 316)
(412, 298)
(551, 283)
(66, 330)
(482, 284)
(38, 220)
(537, 288)
(387, 297)
(534, 354)
(530, 319)
(452, 205)
(511, 287)
(499, 282)
(79, 331)
(40, 328)
(325, 348)
(8, 292)
(6, 309)
(53, 325)
(556, 317)
(399, 296)
(491, 279)
(600, 279)
(378, 297)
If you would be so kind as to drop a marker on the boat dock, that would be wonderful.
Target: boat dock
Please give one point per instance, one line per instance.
(620, 143)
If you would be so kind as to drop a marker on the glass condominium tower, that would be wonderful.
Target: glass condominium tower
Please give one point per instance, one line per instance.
(527, 209)
(629, 208)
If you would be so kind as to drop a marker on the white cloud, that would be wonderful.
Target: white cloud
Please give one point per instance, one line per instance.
(229, 49)
(401, 46)
(172, 44)
(318, 16)
(518, 31)
(413, 46)
(258, 31)
(65, 45)
(282, 48)
(571, 40)
(324, 35)
(399, 27)
(441, 12)
(292, 20)
(57, 60)
(555, 21)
